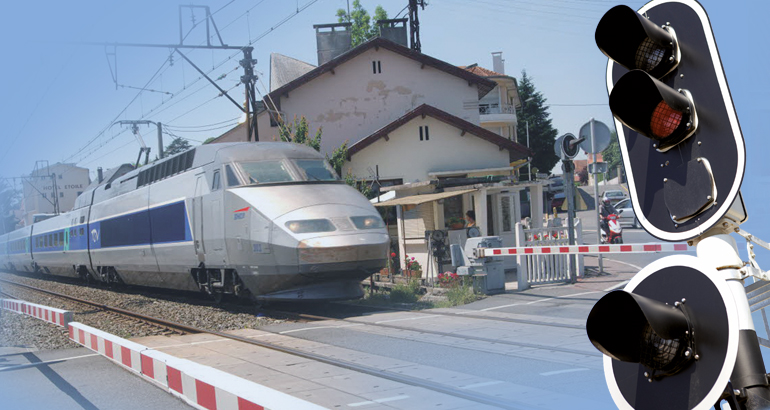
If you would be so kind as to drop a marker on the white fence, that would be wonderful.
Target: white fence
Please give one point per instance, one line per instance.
(542, 269)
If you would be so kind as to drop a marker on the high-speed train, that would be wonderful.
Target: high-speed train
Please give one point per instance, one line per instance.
(266, 221)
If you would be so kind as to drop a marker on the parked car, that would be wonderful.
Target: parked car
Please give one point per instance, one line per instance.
(626, 213)
(614, 196)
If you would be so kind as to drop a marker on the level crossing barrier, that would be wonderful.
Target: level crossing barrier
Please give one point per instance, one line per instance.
(542, 254)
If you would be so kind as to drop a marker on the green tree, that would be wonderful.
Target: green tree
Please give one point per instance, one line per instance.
(611, 155)
(364, 27)
(534, 114)
(176, 146)
(298, 132)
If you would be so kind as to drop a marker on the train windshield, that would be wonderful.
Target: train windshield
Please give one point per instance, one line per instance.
(316, 170)
(283, 171)
(266, 172)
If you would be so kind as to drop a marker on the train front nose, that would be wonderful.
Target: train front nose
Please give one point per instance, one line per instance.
(353, 256)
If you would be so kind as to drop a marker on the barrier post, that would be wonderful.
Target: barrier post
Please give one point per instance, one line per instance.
(522, 271)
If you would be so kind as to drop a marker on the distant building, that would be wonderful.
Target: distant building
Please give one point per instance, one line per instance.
(41, 194)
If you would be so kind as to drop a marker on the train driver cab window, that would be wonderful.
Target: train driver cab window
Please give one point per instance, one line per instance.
(316, 170)
(215, 184)
(263, 172)
(232, 179)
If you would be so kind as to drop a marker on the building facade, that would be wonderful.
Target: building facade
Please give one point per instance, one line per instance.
(50, 188)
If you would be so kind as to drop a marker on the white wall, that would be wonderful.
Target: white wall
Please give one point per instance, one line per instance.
(354, 102)
(70, 181)
(405, 156)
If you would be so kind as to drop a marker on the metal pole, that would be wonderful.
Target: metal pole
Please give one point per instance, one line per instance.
(596, 198)
(160, 139)
(529, 163)
(748, 377)
(569, 184)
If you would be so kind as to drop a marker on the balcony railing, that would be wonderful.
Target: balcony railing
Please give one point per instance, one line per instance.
(496, 109)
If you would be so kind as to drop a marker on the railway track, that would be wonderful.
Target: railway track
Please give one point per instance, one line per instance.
(121, 314)
(384, 374)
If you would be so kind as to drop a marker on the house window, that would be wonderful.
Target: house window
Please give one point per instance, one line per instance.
(424, 133)
(377, 67)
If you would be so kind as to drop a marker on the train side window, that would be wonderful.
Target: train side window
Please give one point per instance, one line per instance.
(215, 184)
(61, 238)
(232, 180)
(81, 231)
(45, 241)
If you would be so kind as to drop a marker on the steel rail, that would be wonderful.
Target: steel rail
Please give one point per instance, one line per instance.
(158, 322)
(384, 374)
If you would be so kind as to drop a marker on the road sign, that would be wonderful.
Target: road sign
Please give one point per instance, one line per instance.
(601, 134)
(678, 132)
(597, 168)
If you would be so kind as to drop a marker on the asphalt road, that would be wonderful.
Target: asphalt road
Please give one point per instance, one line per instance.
(74, 379)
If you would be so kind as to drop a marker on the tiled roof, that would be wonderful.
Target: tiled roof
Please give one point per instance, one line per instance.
(481, 71)
(484, 85)
(427, 110)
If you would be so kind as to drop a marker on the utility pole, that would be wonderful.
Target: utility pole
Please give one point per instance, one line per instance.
(414, 24)
(248, 79)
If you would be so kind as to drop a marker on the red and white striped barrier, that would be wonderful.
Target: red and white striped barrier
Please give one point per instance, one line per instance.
(58, 317)
(12, 304)
(201, 386)
(582, 249)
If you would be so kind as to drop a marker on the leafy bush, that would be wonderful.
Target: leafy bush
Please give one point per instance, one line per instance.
(461, 295)
(405, 293)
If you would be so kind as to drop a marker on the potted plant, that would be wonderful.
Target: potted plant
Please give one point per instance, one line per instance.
(413, 268)
(455, 222)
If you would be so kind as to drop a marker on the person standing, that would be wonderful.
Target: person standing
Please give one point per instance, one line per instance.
(470, 218)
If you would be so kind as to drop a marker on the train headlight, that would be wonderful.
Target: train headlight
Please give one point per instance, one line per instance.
(368, 222)
(310, 225)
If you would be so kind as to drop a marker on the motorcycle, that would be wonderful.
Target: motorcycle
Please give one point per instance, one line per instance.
(616, 232)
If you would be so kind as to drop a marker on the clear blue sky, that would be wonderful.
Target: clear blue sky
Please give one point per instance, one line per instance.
(59, 98)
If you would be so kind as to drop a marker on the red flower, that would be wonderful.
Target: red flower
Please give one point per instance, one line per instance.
(392, 254)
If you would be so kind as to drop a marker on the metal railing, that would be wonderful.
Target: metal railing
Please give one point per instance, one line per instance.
(543, 269)
(496, 109)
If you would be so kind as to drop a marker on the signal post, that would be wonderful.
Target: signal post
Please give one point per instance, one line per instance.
(680, 335)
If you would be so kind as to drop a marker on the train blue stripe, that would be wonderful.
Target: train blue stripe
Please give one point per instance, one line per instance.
(164, 224)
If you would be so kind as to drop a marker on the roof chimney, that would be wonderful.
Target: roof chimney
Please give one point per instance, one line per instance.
(332, 40)
(498, 64)
(394, 30)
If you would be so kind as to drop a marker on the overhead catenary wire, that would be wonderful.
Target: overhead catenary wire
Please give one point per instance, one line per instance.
(175, 98)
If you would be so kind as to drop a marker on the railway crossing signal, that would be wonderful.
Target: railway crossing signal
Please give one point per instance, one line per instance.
(678, 131)
(670, 339)
(680, 335)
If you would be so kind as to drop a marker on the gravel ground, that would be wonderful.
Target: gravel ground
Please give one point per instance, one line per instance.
(24, 331)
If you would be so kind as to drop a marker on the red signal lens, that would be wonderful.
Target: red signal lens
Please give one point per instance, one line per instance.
(665, 120)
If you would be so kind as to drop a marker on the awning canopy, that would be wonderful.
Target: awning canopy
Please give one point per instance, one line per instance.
(423, 198)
